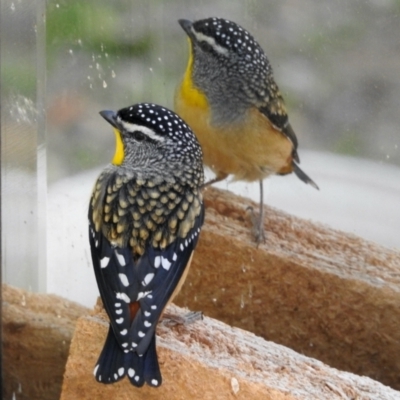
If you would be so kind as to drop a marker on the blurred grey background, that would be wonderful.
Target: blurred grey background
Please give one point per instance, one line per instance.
(337, 63)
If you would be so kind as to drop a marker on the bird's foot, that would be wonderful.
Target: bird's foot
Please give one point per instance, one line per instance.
(171, 319)
(257, 226)
(218, 178)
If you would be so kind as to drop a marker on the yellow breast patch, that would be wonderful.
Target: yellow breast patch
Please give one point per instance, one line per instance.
(188, 92)
(119, 149)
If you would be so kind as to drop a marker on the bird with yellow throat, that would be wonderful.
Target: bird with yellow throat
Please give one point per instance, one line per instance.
(230, 99)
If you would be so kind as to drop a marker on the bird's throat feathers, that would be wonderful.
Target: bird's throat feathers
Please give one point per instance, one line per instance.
(193, 96)
(119, 154)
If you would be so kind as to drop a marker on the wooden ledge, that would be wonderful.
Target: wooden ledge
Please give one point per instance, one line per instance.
(324, 293)
(211, 360)
(37, 332)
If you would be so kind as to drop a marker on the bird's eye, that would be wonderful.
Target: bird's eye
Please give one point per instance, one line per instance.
(205, 46)
(139, 136)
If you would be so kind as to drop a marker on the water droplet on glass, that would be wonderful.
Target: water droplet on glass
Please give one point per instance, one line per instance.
(57, 6)
(104, 84)
(151, 69)
(71, 52)
(80, 42)
(97, 66)
(113, 74)
(241, 301)
(12, 7)
(23, 109)
(159, 59)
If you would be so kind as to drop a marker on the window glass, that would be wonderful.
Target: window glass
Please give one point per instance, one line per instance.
(63, 61)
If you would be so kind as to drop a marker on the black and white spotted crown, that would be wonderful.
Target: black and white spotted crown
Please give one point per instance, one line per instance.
(162, 121)
(233, 37)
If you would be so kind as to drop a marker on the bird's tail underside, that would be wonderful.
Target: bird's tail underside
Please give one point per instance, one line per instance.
(113, 364)
(303, 176)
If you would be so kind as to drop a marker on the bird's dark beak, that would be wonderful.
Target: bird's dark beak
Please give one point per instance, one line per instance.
(110, 117)
(186, 26)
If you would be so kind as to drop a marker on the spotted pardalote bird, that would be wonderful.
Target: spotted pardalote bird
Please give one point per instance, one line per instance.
(145, 216)
(230, 99)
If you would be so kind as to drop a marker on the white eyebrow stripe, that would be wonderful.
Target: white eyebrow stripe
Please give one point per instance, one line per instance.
(211, 41)
(147, 131)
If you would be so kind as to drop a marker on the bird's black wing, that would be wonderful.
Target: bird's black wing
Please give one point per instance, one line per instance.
(280, 121)
(134, 293)
(272, 105)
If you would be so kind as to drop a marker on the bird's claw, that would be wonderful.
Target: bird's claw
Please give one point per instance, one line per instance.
(174, 319)
(258, 226)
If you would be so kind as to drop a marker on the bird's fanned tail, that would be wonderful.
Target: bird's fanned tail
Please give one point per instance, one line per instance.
(151, 371)
(303, 176)
(113, 364)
